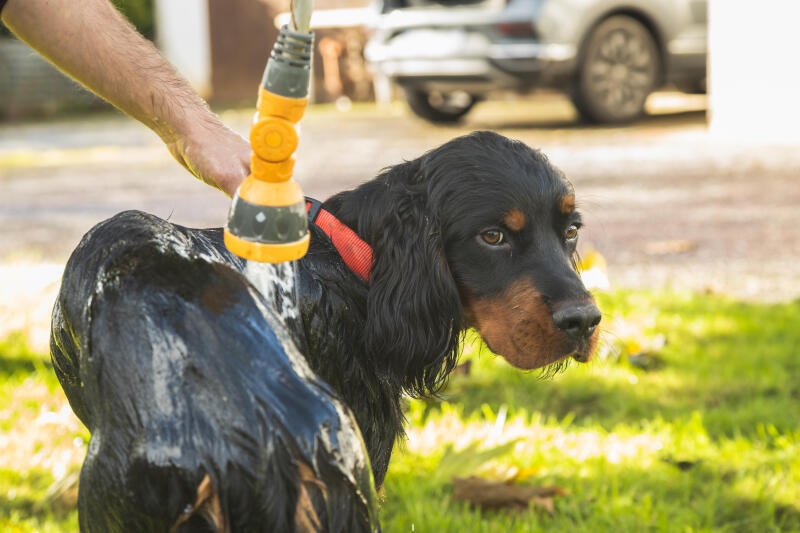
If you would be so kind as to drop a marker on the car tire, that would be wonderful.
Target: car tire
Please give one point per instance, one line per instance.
(619, 67)
(438, 107)
(699, 86)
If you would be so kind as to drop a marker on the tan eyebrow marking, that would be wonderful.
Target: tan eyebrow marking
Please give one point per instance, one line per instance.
(567, 204)
(515, 220)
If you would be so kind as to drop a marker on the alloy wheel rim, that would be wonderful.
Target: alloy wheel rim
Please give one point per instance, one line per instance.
(620, 72)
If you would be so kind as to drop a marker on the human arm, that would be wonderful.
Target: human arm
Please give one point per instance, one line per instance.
(90, 41)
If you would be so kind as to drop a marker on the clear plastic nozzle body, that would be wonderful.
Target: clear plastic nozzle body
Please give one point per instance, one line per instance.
(301, 15)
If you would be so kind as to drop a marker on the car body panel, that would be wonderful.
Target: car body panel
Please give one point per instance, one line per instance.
(461, 47)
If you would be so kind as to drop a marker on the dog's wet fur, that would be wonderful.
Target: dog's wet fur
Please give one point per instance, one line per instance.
(214, 406)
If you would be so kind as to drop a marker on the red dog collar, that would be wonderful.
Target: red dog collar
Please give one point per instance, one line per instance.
(356, 253)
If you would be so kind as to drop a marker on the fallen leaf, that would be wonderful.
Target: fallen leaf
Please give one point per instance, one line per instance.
(463, 369)
(493, 495)
(681, 464)
(646, 361)
(544, 503)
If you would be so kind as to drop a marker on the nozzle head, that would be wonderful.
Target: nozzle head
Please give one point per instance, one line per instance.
(289, 68)
(266, 253)
(268, 233)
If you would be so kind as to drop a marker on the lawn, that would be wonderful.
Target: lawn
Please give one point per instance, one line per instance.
(688, 420)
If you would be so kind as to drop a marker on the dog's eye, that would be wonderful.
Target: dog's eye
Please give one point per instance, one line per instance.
(572, 232)
(493, 237)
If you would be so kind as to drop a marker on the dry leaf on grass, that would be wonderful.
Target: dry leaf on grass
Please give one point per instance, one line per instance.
(646, 361)
(493, 495)
(464, 369)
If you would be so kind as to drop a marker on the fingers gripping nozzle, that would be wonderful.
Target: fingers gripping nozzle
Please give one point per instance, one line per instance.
(267, 220)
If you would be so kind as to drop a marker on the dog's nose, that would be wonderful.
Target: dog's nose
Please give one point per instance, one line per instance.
(577, 321)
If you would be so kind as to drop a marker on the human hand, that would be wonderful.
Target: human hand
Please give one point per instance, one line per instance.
(214, 153)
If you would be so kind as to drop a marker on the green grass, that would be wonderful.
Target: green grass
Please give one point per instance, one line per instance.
(41, 445)
(707, 439)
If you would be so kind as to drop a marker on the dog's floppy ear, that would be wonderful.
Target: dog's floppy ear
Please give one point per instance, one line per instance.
(414, 314)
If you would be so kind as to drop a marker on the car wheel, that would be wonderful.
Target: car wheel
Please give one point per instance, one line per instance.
(620, 67)
(440, 107)
(699, 86)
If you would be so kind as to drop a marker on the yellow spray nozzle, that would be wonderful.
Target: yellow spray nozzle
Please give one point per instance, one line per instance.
(267, 221)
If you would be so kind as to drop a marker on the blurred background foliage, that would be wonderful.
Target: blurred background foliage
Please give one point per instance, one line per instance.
(139, 12)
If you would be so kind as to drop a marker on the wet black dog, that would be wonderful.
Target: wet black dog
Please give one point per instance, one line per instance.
(214, 406)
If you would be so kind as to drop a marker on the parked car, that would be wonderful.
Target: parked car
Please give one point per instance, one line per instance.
(607, 55)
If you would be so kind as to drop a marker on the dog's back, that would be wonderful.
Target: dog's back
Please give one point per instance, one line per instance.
(204, 416)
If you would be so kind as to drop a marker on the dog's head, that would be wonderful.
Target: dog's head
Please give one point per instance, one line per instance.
(479, 232)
